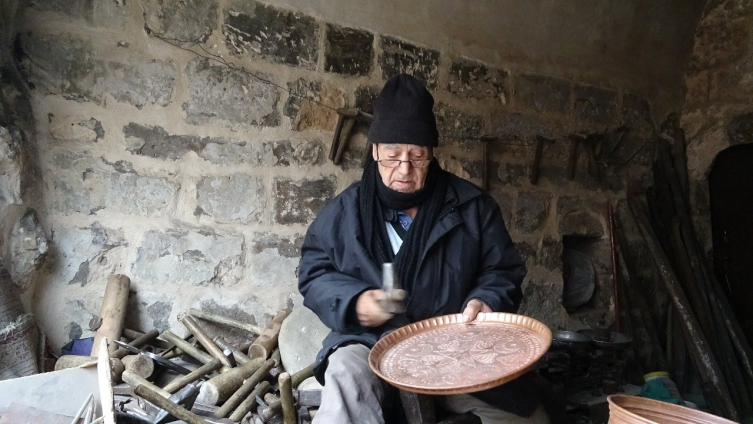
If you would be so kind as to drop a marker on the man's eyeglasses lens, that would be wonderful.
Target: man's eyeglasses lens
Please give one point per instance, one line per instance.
(394, 163)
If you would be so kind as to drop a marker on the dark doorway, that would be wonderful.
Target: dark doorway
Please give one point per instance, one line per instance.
(731, 198)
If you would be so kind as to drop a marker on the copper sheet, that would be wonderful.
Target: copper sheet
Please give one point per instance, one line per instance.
(443, 355)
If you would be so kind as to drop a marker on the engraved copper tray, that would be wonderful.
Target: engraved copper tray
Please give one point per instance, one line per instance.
(444, 356)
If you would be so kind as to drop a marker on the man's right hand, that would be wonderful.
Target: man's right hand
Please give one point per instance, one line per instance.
(368, 310)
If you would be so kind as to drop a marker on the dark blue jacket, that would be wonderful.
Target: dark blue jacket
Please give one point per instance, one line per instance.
(469, 255)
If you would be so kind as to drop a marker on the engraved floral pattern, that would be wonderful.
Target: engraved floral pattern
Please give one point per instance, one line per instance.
(461, 355)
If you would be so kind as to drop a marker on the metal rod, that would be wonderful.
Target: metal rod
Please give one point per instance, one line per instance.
(137, 342)
(205, 340)
(134, 380)
(173, 408)
(81, 410)
(185, 380)
(615, 282)
(250, 401)
(239, 356)
(186, 347)
(225, 321)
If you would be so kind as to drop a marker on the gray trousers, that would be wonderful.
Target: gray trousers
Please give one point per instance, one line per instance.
(354, 394)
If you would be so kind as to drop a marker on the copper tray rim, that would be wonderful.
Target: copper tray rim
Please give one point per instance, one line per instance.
(402, 333)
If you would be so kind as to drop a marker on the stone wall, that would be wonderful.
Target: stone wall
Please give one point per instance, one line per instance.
(175, 147)
(719, 96)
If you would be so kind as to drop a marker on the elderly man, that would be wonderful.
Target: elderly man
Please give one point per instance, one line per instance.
(450, 250)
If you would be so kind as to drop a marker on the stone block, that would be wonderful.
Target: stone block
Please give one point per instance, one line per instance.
(298, 202)
(218, 93)
(455, 124)
(134, 194)
(542, 300)
(11, 164)
(398, 56)
(59, 65)
(80, 185)
(527, 252)
(159, 312)
(453, 165)
(154, 141)
(66, 66)
(526, 126)
(730, 85)
(505, 201)
(531, 211)
(580, 224)
(541, 93)
(75, 128)
(268, 153)
(199, 258)
(365, 96)
(26, 246)
(475, 80)
(295, 152)
(141, 83)
(309, 115)
(516, 174)
(109, 14)
(186, 21)
(232, 198)
(636, 113)
(278, 35)
(719, 43)
(288, 247)
(300, 339)
(595, 104)
(274, 258)
(348, 51)
(697, 87)
(740, 130)
(80, 252)
(550, 254)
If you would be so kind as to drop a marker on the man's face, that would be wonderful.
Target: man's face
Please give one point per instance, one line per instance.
(404, 178)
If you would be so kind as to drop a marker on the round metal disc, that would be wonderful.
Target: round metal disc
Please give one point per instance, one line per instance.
(443, 355)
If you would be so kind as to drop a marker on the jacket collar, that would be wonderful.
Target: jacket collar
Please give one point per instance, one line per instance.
(460, 191)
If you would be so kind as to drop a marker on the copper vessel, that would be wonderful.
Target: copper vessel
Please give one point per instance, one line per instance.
(445, 355)
(625, 409)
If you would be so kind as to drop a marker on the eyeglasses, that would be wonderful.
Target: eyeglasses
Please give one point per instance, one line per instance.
(394, 163)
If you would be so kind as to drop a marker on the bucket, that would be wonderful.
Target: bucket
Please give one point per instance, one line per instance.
(637, 410)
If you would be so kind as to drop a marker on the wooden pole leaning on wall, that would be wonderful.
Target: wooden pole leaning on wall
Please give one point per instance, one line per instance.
(112, 312)
(697, 343)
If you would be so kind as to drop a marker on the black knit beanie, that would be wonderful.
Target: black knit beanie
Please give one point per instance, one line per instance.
(403, 114)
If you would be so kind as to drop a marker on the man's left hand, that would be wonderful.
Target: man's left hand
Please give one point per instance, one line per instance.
(472, 309)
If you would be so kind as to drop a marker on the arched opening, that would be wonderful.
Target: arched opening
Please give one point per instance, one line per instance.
(731, 202)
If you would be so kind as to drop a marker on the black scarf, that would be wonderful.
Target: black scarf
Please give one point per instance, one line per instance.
(373, 195)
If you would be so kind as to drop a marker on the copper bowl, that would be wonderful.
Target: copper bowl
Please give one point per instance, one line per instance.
(625, 409)
(444, 355)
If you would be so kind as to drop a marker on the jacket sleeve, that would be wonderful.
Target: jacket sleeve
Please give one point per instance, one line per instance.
(500, 269)
(326, 291)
